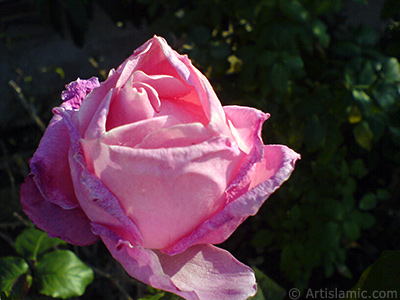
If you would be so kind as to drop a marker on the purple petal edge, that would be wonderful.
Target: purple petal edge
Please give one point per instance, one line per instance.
(217, 229)
(76, 91)
(94, 197)
(70, 225)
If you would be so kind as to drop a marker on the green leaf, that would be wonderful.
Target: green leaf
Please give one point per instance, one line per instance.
(267, 288)
(61, 274)
(361, 96)
(368, 202)
(319, 30)
(315, 132)
(387, 96)
(293, 62)
(363, 135)
(367, 74)
(351, 230)
(333, 139)
(334, 209)
(383, 275)
(33, 242)
(391, 70)
(11, 268)
(153, 297)
(294, 9)
(358, 169)
(279, 78)
(21, 287)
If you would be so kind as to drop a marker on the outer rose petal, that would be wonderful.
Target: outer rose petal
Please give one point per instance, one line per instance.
(201, 272)
(213, 273)
(98, 203)
(48, 196)
(71, 225)
(49, 166)
(167, 192)
(268, 176)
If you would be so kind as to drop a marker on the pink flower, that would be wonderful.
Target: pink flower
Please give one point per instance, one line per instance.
(150, 162)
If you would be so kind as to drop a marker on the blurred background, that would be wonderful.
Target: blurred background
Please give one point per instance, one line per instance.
(326, 70)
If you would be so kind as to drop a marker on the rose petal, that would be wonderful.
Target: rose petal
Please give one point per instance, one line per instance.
(93, 100)
(98, 203)
(164, 60)
(167, 192)
(213, 273)
(202, 102)
(97, 125)
(156, 57)
(274, 169)
(176, 136)
(133, 103)
(115, 80)
(71, 225)
(144, 265)
(268, 176)
(167, 86)
(49, 166)
(246, 124)
(201, 272)
(76, 92)
(178, 98)
(132, 134)
(185, 112)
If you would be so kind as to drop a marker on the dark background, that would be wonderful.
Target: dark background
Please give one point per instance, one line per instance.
(327, 71)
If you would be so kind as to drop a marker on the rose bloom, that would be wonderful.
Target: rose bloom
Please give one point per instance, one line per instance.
(150, 162)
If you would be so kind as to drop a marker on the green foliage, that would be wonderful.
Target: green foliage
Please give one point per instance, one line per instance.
(32, 242)
(57, 273)
(61, 274)
(267, 288)
(333, 97)
(11, 268)
(383, 276)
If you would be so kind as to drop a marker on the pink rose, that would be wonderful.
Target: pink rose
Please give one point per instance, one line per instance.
(150, 162)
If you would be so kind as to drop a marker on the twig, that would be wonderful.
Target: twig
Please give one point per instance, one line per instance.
(12, 225)
(29, 108)
(21, 219)
(7, 239)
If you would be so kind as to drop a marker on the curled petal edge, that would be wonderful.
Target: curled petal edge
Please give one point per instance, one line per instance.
(218, 228)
